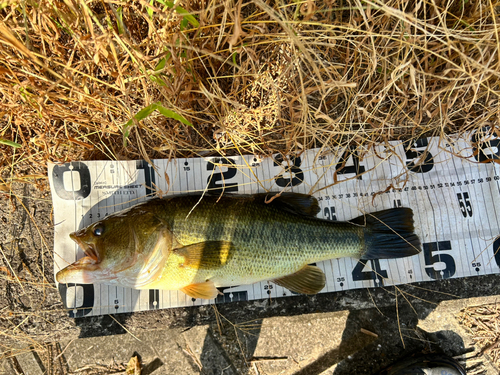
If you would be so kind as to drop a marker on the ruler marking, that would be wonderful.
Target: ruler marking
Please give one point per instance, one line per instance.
(474, 213)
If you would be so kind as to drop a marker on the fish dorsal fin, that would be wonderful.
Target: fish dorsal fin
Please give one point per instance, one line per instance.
(308, 280)
(206, 255)
(301, 204)
(206, 290)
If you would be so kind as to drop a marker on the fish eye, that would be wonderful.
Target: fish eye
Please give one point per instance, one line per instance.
(98, 230)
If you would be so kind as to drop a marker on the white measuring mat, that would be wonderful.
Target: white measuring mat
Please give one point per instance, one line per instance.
(455, 200)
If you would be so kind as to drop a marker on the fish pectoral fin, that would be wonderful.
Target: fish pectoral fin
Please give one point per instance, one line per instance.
(207, 255)
(206, 290)
(308, 280)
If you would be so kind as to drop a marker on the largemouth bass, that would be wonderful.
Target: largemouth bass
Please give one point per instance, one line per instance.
(196, 244)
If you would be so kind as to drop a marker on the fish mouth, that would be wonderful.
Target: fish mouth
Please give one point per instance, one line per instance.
(82, 271)
(85, 270)
(89, 249)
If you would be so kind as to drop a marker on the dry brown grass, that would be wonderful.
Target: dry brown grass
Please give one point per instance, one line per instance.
(482, 324)
(252, 77)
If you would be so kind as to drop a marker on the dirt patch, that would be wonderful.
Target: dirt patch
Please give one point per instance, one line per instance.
(482, 322)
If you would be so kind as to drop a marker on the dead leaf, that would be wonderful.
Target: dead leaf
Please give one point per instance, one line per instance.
(167, 179)
(237, 32)
(307, 9)
(5, 188)
(133, 366)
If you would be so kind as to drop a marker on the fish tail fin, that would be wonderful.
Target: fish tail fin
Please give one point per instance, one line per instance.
(389, 234)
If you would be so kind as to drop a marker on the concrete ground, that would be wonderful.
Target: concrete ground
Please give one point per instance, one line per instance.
(356, 332)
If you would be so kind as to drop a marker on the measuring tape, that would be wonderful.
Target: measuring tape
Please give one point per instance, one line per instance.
(452, 187)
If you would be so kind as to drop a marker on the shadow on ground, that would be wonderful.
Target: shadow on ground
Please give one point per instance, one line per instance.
(378, 330)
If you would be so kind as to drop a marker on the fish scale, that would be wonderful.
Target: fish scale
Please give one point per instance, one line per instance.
(269, 242)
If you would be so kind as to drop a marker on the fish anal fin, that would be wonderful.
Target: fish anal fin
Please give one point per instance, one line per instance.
(206, 255)
(206, 290)
(308, 280)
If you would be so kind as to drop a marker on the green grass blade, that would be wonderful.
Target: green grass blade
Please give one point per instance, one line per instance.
(183, 12)
(161, 64)
(187, 16)
(158, 80)
(141, 115)
(184, 23)
(145, 112)
(11, 143)
(119, 21)
(171, 114)
(150, 10)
